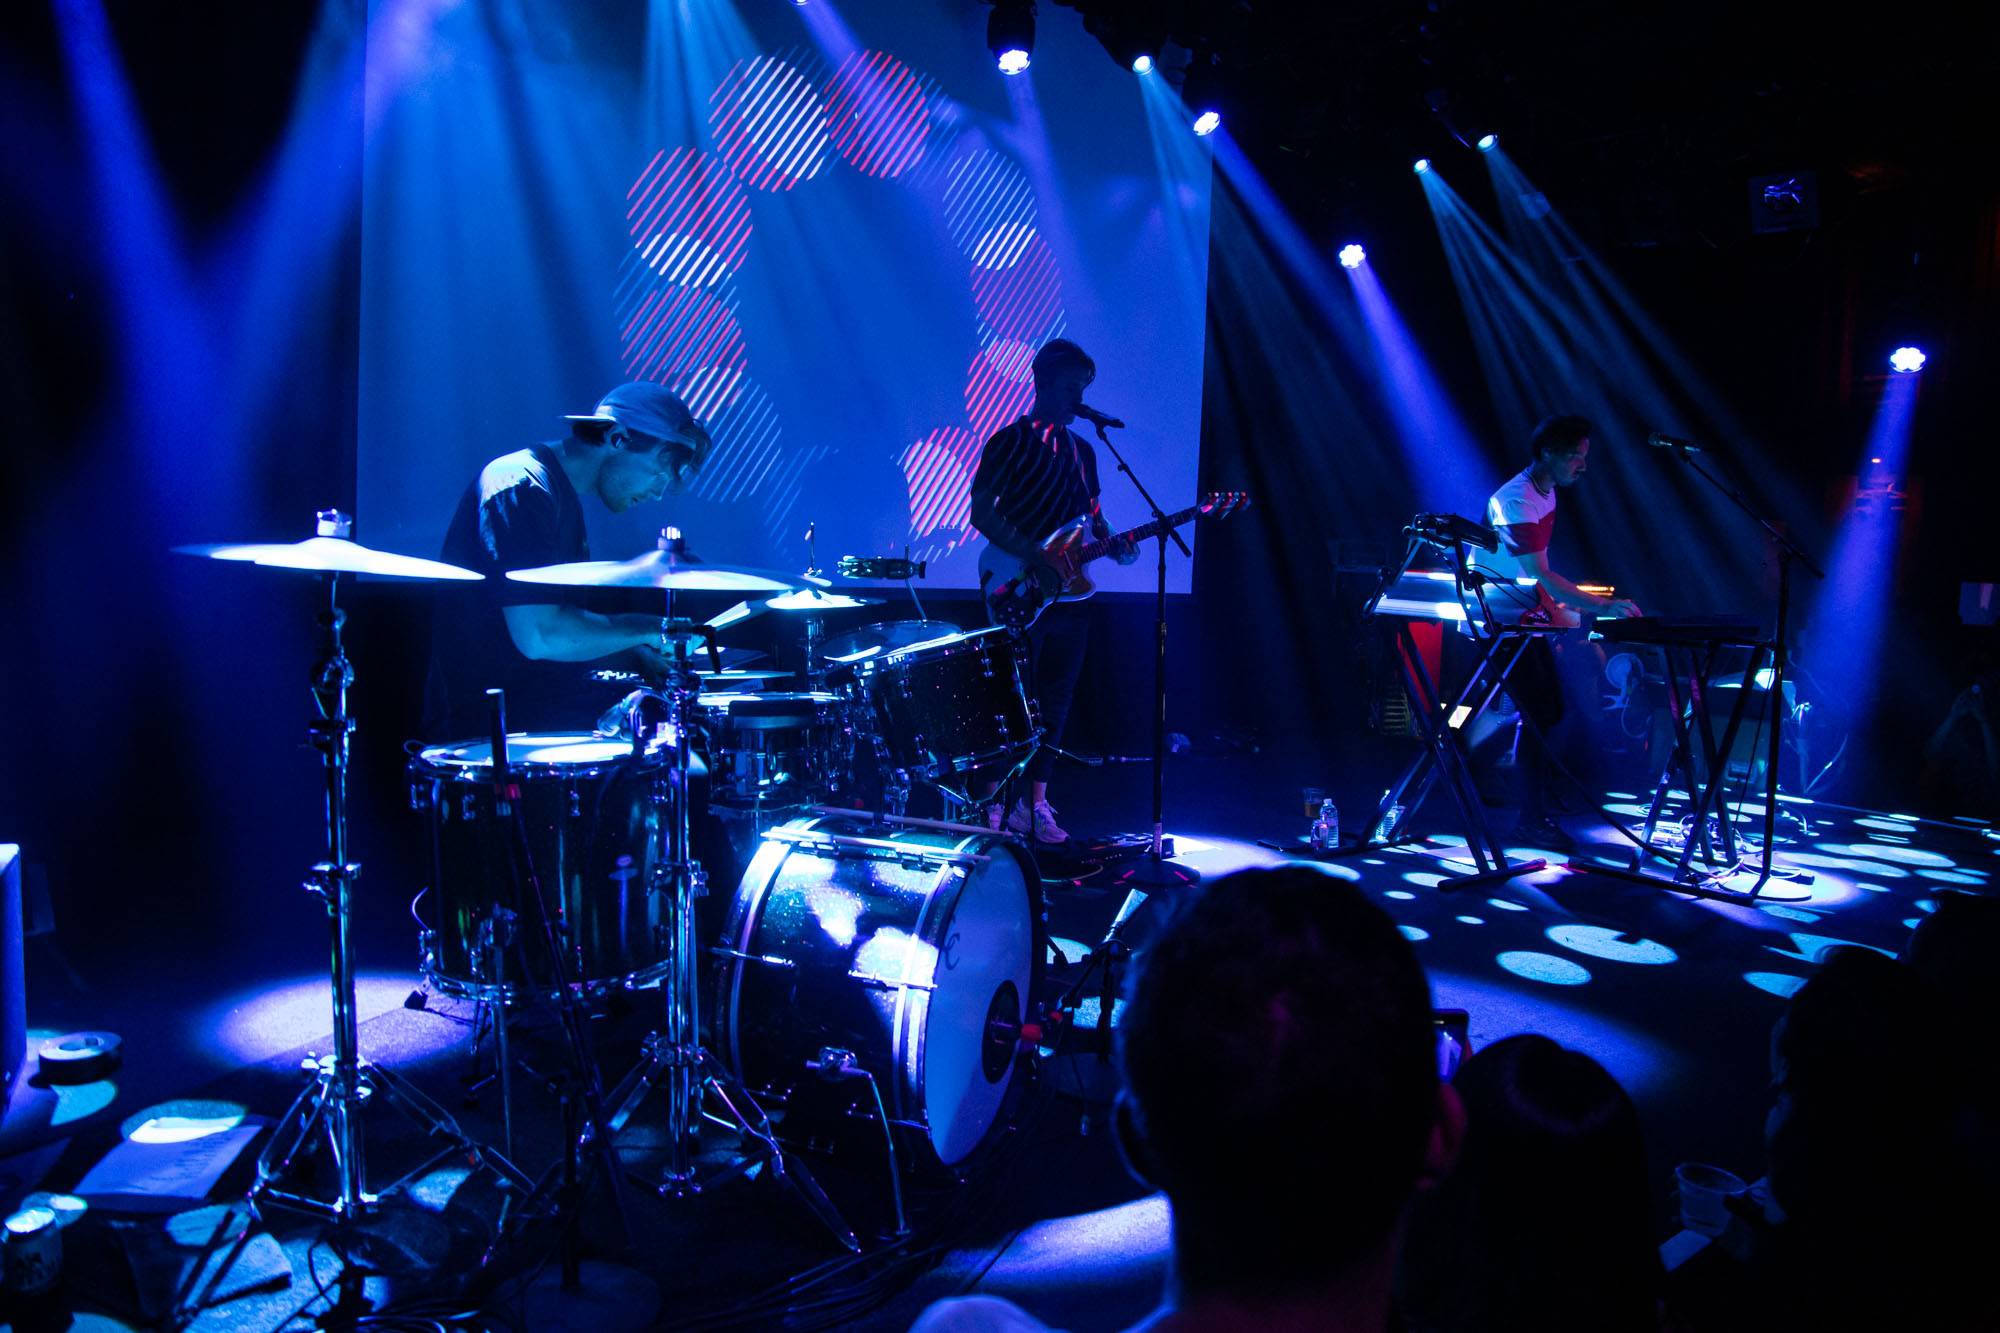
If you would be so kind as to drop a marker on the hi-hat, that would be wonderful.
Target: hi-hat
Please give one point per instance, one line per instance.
(331, 553)
(672, 568)
(812, 599)
(710, 679)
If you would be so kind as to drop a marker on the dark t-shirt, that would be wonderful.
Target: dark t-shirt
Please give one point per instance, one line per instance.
(1039, 474)
(519, 513)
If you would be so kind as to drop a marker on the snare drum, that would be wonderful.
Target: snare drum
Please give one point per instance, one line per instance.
(766, 749)
(590, 826)
(916, 951)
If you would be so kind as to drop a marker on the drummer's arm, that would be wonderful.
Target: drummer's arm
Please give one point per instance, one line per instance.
(556, 633)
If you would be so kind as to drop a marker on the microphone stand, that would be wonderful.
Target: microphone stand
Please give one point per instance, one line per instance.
(1789, 552)
(1153, 873)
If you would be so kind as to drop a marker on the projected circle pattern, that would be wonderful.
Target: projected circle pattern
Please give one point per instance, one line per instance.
(675, 333)
(769, 124)
(732, 475)
(772, 121)
(993, 398)
(938, 469)
(689, 219)
(877, 114)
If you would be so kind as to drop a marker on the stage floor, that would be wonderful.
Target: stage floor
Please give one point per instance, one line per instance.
(1674, 995)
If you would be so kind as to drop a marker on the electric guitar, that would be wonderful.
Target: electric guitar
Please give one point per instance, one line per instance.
(1015, 596)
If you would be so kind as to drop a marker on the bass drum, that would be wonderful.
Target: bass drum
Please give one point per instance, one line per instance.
(916, 949)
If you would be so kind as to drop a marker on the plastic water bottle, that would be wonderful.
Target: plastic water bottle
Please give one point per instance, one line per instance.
(1392, 818)
(1325, 834)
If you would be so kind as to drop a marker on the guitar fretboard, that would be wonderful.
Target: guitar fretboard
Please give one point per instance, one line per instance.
(1103, 546)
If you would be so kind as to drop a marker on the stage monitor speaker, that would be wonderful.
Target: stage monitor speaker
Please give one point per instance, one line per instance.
(13, 975)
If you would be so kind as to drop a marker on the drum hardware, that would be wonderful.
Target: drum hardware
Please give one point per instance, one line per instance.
(497, 936)
(676, 1055)
(834, 1065)
(329, 1108)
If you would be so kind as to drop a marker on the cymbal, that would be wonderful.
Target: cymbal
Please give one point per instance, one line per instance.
(872, 640)
(710, 679)
(331, 555)
(812, 599)
(671, 568)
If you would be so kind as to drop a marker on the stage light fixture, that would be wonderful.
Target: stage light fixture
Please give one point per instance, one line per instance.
(1489, 142)
(1207, 123)
(1907, 360)
(1010, 35)
(1421, 165)
(1142, 63)
(1352, 256)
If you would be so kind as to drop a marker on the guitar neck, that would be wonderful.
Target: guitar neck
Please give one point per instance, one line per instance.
(1103, 546)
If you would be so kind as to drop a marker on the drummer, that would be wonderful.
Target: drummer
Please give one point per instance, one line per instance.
(525, 510)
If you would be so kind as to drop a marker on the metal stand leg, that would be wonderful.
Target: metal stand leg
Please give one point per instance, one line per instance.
(675, 1054)
(342, 1084)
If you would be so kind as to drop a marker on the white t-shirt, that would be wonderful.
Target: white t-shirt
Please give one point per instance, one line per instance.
(1526, 517)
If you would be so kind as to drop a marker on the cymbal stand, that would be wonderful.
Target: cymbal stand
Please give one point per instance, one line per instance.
(342, 1083)
(675, 1054)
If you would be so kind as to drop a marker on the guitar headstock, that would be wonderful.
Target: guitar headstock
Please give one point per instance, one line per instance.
(1221, 504)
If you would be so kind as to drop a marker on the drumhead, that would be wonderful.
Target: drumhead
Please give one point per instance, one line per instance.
(872, 641)
(984, 974)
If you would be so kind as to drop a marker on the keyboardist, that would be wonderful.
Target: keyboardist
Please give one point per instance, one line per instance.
(1523, 512)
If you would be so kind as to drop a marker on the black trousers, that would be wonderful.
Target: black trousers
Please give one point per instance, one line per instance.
(1056, 646)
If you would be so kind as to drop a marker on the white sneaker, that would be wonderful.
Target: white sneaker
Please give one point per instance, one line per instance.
(1042, 820)
(996, 815)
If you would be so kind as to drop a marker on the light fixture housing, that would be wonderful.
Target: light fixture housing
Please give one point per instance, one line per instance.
(1010, 35)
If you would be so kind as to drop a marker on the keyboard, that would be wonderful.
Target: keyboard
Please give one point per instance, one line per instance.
(1678, 630)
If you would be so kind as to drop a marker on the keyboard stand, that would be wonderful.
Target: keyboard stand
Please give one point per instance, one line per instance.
(1700, 763)
(1443, 724)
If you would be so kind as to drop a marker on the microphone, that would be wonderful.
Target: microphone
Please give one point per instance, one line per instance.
(1659, 439)
(1102, 420)
(1452, 528)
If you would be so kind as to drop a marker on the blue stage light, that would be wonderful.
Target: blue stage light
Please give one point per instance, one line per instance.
(1907, 360)
(1142, 64)
(1421, 165)
(1488, 143)
(1208, 122)
(1013, 60)
(1352, 256)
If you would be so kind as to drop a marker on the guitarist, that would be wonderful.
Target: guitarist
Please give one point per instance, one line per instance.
(1035, 475)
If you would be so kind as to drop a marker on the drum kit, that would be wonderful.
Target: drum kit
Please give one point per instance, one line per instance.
(854, 965)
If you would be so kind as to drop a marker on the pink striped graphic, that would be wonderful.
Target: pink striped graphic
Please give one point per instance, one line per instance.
(689, 217)
(938, 470)
(876, 114)
(1022, 300)
(768, 124)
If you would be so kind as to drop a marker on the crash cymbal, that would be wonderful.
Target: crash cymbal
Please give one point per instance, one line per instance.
(671, 567)
(872, 640)
(331, 555)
